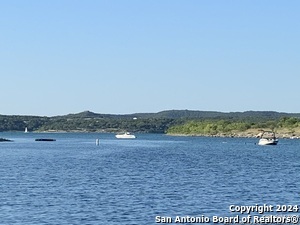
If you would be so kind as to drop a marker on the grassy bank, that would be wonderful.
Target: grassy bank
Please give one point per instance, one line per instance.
(284, 128)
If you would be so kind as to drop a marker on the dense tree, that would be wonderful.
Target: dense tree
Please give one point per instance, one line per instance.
(227, 127)
(173, 121)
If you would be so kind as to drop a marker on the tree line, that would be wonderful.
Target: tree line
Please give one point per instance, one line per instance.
(226, 127)
(146, 125)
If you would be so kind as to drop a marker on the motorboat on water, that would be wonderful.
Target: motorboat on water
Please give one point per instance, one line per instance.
(268, 138)
(126, 135)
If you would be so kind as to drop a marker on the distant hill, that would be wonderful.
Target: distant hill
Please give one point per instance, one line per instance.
(190, 114)
(88, 114)
(137, 122)
(214, 114)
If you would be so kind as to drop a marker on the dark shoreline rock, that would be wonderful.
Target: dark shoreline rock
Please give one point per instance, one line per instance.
(45, 139)
(4, 140)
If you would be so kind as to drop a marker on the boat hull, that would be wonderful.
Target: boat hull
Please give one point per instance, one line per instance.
(268, 142)
(125, 135)
(122, 136)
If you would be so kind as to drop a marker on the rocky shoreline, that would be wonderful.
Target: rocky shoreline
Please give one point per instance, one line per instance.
(253, 133)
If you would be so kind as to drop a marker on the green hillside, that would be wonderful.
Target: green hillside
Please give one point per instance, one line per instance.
(169, 121)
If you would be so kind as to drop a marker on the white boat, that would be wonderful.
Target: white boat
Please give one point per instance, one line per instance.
(26, 130)
(268, 138)
(125, 135)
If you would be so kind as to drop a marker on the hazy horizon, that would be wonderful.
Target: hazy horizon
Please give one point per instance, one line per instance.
(149, 112)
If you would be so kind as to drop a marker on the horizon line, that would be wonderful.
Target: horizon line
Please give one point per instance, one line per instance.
(124, 114)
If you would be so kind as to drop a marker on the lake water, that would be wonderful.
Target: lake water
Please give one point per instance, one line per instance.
(126, 182)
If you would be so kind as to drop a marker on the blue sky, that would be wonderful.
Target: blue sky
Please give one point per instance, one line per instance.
(67, 56)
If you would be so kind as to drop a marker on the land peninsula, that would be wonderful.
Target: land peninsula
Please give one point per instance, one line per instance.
(171, 122)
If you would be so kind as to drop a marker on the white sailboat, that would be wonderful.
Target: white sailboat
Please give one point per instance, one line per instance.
(26, 130)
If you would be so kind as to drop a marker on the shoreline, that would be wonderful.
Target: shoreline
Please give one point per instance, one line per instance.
(252, 133)
(230, 136)
(245, 134)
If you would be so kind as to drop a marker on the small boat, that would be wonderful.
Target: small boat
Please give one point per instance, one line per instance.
(268, 138)
(26, 130)
(125, 135)
(45, 139)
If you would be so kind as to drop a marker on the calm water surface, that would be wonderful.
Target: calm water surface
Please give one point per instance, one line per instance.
(124, 182)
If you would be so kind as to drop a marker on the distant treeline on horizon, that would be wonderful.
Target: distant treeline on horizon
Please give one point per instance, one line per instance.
(176, 114)
(159, 122)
